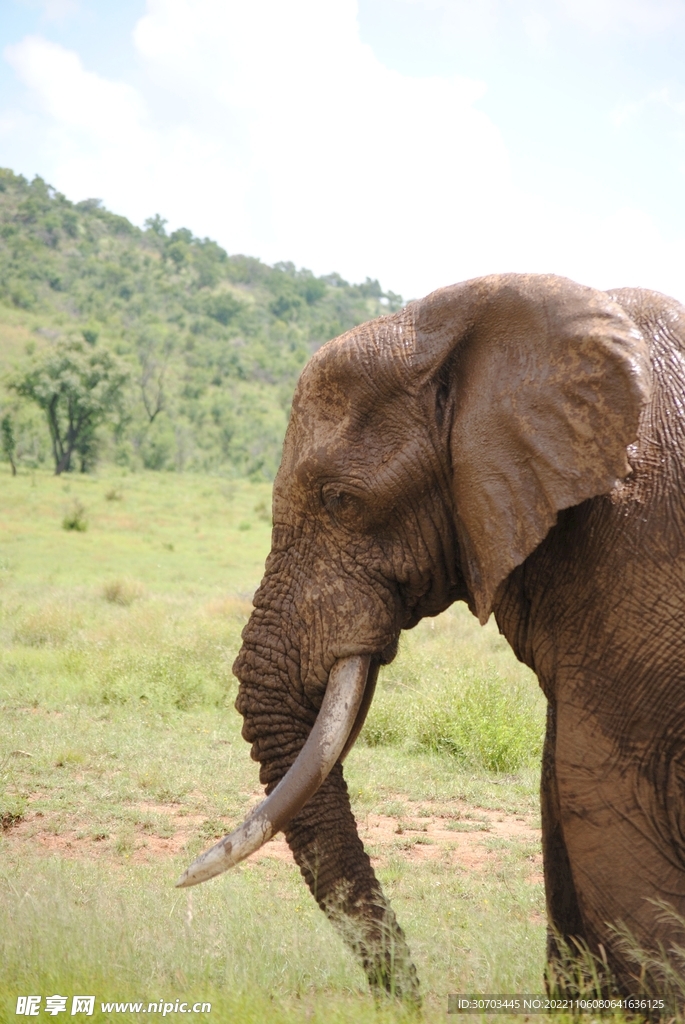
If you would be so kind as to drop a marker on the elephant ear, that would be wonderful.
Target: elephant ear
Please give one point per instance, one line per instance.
(544, 380)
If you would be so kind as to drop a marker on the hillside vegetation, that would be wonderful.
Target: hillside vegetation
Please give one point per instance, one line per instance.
(209, 345)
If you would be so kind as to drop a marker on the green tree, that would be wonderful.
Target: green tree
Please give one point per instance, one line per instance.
(8, 442)
(78, 387)
(157, 225)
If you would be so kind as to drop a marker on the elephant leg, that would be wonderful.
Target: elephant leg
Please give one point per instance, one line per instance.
(338, 871)
(621, 817)
(564, 921)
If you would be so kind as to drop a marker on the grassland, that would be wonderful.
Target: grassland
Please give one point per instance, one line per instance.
(121, 757)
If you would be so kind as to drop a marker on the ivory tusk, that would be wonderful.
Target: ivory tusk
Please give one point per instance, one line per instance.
(335, 722)
(369, 690)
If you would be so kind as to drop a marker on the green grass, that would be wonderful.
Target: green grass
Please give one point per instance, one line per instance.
(456, 689)
(177, 535)
(121, 758)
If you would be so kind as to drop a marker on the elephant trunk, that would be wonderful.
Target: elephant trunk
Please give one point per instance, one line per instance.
(338, 724)
(300, 741)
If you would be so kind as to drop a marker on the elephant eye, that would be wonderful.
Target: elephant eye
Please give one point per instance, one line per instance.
(334, 500)
(341, 504)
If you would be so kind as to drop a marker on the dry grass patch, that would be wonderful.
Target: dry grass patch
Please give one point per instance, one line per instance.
(229, 608)
(50, 625)
(123, 591)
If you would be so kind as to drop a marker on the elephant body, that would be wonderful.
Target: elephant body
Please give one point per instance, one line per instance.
(598, 612)
(517, 442)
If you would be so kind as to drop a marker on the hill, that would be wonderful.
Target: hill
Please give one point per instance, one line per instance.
(213, 343)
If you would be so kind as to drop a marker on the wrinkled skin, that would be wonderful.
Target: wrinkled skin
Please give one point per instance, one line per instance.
(518, 443)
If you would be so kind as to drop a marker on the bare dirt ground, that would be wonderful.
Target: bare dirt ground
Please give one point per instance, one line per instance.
(454, 832)
(460, 835)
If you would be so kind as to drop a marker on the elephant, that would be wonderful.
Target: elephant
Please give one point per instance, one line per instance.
(516, 442)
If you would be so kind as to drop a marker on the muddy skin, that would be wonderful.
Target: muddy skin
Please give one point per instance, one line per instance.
(516, 442)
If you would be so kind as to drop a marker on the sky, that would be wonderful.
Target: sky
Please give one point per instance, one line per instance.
(420, 142)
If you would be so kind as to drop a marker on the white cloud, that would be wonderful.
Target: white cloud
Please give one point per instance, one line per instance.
(636, 15)
(53, 10)
(477, 17)
(470, 18)
(658, 98)
(74, 97)
(58, 10)
(305, 147)
(538, 28)
(350, 165)
(272, 128)
(94, 133)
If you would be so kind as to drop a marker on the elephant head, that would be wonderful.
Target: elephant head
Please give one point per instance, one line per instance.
(428, 454)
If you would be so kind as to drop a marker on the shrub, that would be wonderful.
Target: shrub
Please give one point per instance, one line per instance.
(75, 519)
(491, 724)
(387, 724)
(123, 591)
(479, 719)
(12, 809)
